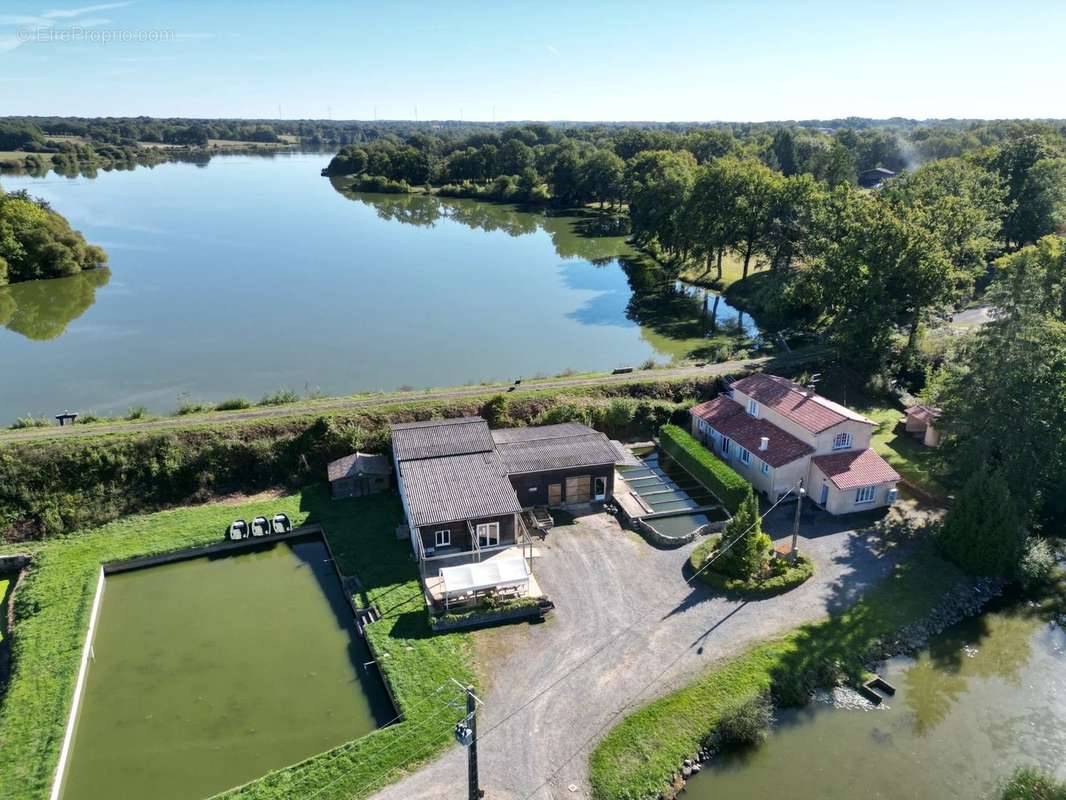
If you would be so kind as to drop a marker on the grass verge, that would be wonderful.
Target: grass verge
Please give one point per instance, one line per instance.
(51, 615)
(638, 757)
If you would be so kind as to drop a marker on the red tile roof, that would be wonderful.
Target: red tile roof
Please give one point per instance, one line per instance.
(854, 468)
(923, 413)
(728, 418)
(806, 409)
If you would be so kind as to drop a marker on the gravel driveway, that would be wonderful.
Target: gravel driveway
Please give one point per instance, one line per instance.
(603, 580)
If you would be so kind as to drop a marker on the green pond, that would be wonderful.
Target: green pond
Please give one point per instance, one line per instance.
(210, 672)
(248, 274)
(988, 696)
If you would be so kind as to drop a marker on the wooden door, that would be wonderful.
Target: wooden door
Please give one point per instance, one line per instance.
(578, 489)
(555, 494)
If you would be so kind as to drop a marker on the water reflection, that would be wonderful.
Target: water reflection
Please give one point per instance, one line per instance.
(42, 310)
(679, 319)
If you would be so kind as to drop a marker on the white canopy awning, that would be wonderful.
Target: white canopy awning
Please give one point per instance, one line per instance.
(499, 572)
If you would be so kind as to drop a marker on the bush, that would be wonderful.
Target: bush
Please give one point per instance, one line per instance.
(233, 404)
(1030, 784)
(1037, 563)
(136, 412)
(30, 421)
(983, 532)
(707, 468)
(279, 398)
(743, 721)
(192, 408)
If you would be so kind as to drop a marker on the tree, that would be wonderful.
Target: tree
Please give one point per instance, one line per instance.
(565, 176)
(749, 545)
(1035, 175)
(783, 148)
(796, 205)
(983, 532)
(36, 242)
(755, 189)
(601, 177)
(657, 184)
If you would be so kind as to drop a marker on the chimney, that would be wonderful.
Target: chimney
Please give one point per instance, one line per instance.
(764, 442)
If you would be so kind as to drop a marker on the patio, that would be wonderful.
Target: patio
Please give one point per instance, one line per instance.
(461, 581)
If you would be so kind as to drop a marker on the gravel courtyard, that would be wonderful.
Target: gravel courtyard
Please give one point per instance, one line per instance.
(605, 580)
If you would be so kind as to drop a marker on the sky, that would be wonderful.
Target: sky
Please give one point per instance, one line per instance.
(671, 60)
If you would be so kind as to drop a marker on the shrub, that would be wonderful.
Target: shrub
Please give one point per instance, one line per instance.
(744, 547)
(30, 421)
(1030, 784)
(495, 411)
(233, 404)
(983, 532)
(192, 408)
(279, 398)
(707, 468)
(1037, 563)
(743, 721)
(136, 412)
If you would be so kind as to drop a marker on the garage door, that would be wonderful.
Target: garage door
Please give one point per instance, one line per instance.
(578, 489)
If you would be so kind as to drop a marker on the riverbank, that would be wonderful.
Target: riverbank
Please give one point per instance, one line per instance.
(643, 756)
(54, 599)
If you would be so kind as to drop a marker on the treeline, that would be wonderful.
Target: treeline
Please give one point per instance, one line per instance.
(36, 242)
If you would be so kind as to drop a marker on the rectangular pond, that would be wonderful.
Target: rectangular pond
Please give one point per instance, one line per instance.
(209, 672)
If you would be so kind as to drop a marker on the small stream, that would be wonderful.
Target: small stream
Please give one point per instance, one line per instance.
(987, 696)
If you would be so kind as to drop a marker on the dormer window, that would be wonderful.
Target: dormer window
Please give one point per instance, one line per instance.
(753, 408)
(842, 441)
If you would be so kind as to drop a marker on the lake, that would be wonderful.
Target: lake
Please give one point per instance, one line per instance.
(986, 697)
(250, 274)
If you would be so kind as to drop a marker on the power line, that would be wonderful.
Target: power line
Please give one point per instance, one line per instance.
(435, 742)
(614, 715)
(633, 624)
(414, 726)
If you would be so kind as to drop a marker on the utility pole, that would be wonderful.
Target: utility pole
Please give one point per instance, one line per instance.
(466, 735)
(800, 492)
(474, 787)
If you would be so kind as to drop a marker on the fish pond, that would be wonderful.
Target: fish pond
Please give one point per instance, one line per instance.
(208, 673)
(249, 274)
(678, 503)
(986, 697)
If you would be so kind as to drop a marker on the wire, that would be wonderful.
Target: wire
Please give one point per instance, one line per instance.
(348, 747)
(633, 624)
(684, 651)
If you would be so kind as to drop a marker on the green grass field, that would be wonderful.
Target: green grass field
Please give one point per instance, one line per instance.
(908, 456)
(54, 601)
(732, 270)
(6, 584)
(639, 756)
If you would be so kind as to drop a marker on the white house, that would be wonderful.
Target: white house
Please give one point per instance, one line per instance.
(775, 433)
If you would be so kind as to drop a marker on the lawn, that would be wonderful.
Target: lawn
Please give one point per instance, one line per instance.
(908, 456)
(732, 270)
(639, 756)
(5, 587)
(53, 604)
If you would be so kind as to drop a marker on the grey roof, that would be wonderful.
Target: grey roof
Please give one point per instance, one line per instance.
(558, 449)
(440, 437)
(358, 464)
(453, 488)
(508, 435)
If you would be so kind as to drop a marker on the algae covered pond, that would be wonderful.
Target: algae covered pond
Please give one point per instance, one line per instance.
(986, 697)
(210, 672)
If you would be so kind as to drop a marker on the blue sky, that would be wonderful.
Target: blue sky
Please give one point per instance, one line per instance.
(668, 60)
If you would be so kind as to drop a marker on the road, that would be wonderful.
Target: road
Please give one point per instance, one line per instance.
(342, 404)
(626, 629)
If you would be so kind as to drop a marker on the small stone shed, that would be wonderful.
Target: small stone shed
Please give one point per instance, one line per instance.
(359, 474)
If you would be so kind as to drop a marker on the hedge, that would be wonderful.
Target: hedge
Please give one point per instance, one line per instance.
(704, 466)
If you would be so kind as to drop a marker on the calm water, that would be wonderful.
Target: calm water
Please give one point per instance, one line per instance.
(987, 697)
(250, 274)
(237, 665)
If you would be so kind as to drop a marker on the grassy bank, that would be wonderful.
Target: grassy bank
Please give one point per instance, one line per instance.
(702, 274)
(638, 758)
(64, 484)
(51, 615)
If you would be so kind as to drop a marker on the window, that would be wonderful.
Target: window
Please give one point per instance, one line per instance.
(488, 534)
(865, 494)
(842, 441)
(725, 446)
(765, 468)
(745, 456)
(444, 538)
(753, 408)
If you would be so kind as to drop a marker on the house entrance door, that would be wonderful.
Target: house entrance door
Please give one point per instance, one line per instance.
(824, 497)
(599, 489)
(555, 494)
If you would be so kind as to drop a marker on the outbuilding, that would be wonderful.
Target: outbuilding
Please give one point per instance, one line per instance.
(359, 474)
